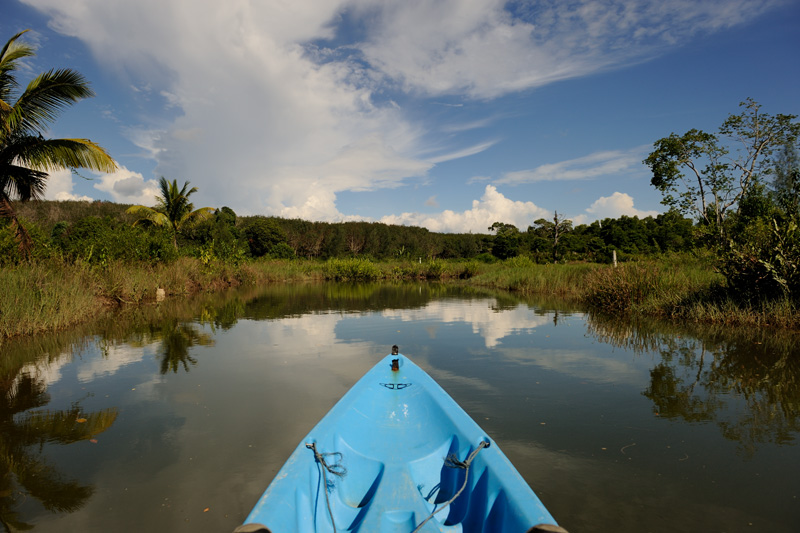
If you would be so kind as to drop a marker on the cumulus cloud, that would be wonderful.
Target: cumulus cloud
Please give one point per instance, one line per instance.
(492, 207)
(60, 185)
(613, 206)
(278, 107)
(608, 163)
(128, 187)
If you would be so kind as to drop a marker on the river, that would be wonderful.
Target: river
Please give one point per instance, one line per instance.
(174, 417)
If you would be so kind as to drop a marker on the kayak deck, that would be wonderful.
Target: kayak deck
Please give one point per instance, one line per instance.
(377, 462)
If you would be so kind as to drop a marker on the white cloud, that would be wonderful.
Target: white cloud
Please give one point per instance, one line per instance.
(613, 206)
(609, 163)
(484, 51)
(128, 187)
(464, 152)
(492, 207)
(59, 187)
(257, 112)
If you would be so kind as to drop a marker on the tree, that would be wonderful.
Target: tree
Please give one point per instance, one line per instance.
(552, 231)
(26, 157)
(720, 170)
(786, 183)
(263, 235)
(173, 209)
(506, 240)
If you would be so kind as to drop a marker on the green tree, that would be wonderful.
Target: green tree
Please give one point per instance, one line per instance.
(553, 231)
(173, 209)
(720, 170)
(786, 182)
(506, 240)
(263, 235)
(26, 157)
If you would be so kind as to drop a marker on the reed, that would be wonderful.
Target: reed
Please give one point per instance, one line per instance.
(522, 275)
(654, 288)
(41, 297)
(55, 294)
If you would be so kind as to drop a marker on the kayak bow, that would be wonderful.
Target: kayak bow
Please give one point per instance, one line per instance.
(397, 454)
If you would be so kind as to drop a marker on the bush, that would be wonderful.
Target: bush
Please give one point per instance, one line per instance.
(99, 241)
(9, 247)
(765, 266)
(435, 269)
(282, 251)
(351, 270)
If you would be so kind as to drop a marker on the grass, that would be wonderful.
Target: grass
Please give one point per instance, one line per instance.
(44, 297)
(53, 295)
(523, 276)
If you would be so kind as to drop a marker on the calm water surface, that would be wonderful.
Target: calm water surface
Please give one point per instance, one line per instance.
(176, 417)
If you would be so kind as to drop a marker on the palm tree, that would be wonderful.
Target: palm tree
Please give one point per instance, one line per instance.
(26, 156)
(173, 209)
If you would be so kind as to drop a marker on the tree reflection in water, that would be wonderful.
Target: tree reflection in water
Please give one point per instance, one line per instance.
(706, 372)
(24, 430)
(176, 338)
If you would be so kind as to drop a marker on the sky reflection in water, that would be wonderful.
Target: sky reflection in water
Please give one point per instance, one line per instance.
(644, 427)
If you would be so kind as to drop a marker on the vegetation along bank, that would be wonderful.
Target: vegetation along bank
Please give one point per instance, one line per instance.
(726, 251)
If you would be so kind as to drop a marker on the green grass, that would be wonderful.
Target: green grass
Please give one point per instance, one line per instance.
(524, 276)
(44, 297)
(53, 294)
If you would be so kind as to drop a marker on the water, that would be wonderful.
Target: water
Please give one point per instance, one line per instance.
(175, 417)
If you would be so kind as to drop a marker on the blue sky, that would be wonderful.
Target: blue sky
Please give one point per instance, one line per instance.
(448, 114)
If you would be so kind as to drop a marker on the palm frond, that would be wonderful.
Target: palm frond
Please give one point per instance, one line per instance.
(22, 183)
(197, 216)
(10, 55)
(57, 154)
(45, 96)
(149, 216)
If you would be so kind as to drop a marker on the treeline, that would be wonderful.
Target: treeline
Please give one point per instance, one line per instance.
(98, 232)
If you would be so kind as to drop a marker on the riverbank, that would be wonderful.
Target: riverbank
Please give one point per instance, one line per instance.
(53, 295)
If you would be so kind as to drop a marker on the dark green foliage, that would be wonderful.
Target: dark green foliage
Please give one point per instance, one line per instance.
(547, 235)
(351, 270)
(10, 252)
(720, 170)
(282, 251)
(506, 240)
(263, 234)
(101, 240)
(786, 183)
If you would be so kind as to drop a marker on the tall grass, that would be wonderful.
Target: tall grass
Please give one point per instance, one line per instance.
(40, 297)
(656, 288)
(55, 294)
(521, 275)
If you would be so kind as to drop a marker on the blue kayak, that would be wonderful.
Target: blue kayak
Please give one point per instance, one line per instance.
(397, 454)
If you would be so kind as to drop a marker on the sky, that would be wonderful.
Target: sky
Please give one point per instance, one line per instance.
(446, 114)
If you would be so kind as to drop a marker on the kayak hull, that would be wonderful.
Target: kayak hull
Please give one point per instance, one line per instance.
(376, 463)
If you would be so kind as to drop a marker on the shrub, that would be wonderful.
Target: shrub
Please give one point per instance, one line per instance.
(282, 251)
(351, 270)
(101, 240)
(435, 269)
